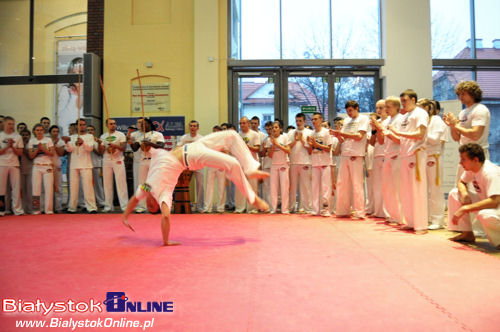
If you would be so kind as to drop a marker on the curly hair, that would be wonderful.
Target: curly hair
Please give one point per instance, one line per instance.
(472, 88)
(473, 150)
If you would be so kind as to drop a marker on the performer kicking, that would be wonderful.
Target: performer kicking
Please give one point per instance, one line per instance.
(166, 167)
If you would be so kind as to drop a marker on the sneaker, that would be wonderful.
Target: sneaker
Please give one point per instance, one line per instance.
(434, 227)
(140, 210)
(36, 213)
(106, 210)
(325, 214)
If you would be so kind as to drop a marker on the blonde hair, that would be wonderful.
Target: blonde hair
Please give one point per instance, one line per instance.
(394, 101)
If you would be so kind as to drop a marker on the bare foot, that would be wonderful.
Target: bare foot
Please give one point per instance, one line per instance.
(467, 237)
(260, 204)
(172, 243)
(125, 222)
(257, 175)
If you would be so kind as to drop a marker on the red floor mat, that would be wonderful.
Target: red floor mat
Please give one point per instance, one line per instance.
(250, 273)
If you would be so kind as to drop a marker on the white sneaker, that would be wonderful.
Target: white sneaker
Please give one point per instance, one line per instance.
(106, 209)
(434, 227)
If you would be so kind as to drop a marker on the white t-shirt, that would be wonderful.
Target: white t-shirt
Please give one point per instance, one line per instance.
(351, 147)
(476, 115)
(185, 139)
(321, 157)
(266, 161)
(151, 136)
(115, 138)
(391, 148)
(486, 182)
(411, 121)
(299, 154)
(56, 159)
(135, 136)
(9, 158)
(436, 133)
(80, 156)
(279, 158)
(41, 157)
(378, 149)
(251, 138)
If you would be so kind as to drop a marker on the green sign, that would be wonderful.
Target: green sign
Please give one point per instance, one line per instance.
(308, 109)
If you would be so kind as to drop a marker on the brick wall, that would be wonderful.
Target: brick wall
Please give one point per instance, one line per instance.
(95, 27)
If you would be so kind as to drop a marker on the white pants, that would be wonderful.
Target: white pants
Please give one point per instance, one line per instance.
(489, 218)
(45, 174)
(98, 186)
(350, 185)
(58, 190)
(206, 152)
(142, 174)
(118, 169)
(13, 174)
(477, 228)
(198, 176)
(436, 197)
(26, 189)
(321, 189)
(378, 200)
(300, 175)
(280, 179)
(220, 175)
(390, 188)
(369, 203)
(88, 188)
(266, 187)
(413, 192)
(135, 171)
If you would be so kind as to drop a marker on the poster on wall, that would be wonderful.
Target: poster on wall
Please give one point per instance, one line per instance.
(155, 94)
(69, 60)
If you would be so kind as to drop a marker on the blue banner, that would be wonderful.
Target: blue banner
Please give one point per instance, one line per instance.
(167, 125)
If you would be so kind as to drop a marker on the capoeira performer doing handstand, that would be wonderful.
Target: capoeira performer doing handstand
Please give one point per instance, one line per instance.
(166, 167)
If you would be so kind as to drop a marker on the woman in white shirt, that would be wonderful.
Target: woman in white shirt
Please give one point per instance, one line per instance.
(278, 148)
(41, 150)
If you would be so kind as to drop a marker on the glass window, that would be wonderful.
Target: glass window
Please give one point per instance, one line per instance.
(256, 98)
(307, 91)
(489, 81)
(444, 82)
(356, 29)
(260, 29)
(296, 29)
(306, 29)
(487, 29)
(59, 35)
(358, 88)
(450, 29)
(14, 37)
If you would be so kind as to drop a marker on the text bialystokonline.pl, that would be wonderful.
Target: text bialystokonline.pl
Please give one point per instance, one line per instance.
(74, 324)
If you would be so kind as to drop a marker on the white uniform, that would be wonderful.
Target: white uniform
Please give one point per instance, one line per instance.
(436, 135)
(413, 189)
(486, 183)
(280, 177)
(42, 170)
(321, 174)
(250, 138)
(369, 187)
(476, 115)
(197, 175)
(145, 158)
(134, 137)
(26, 183)
(165, 168)
(57, 163)
(300, 170)
(350, 178)
(9, 169)
(81, 167)
(112, 163)
(266, 183)
(97, 175)
(376, 175)
(391, 171)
